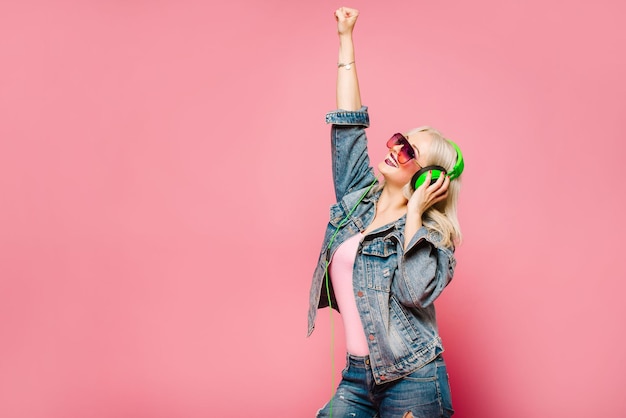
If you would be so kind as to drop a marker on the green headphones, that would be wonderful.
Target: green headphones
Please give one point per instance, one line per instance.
(437, 171)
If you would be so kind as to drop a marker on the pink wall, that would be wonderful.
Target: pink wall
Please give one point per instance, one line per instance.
(165, 181)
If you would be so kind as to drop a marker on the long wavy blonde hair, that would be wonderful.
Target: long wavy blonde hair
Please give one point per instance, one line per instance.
(441, 217)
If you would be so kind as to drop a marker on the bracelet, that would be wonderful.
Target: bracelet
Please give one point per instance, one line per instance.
(348, 65)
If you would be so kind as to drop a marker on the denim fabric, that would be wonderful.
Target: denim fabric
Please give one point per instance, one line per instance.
(394, 287)
(425, 393)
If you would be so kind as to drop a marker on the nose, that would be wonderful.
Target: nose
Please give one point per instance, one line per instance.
(396, 147)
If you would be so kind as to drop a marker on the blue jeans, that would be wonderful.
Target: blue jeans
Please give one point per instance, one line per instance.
(425, 393)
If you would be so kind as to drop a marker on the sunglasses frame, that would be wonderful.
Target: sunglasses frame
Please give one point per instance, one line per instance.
(407, 152)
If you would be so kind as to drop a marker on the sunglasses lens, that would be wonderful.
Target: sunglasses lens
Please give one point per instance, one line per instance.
(396, 139)
(403, 157)
(406, 153)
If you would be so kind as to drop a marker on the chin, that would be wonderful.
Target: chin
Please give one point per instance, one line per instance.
(384, 168)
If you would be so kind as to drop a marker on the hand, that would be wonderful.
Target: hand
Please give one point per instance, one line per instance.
(346, 18)
(428, 194)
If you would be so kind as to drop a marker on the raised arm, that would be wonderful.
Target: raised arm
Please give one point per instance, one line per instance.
(348, 94)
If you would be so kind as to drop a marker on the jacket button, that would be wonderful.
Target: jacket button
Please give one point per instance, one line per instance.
(371, 337)
(383, 377)
(359, 294)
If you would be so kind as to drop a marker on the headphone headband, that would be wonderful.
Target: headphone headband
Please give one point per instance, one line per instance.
(460, 163)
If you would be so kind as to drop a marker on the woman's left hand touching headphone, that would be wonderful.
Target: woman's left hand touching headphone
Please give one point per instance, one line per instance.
(428, 194)
(423, 198)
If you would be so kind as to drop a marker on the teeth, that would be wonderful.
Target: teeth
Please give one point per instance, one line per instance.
(391, 161)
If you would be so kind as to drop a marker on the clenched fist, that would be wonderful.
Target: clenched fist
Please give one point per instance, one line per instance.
(346, 18)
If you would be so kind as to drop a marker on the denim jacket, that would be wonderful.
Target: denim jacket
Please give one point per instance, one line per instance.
(394, 287)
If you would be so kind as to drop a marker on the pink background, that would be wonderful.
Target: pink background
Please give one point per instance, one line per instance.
(165, 183)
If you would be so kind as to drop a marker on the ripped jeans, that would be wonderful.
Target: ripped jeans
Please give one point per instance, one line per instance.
(425, 393)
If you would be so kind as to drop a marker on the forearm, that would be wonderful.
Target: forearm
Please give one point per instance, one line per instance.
(424, 271)
(348, 93)
(412, 225)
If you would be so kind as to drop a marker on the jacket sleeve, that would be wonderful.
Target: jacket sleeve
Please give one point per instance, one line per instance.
(424, 270)
(350, 161)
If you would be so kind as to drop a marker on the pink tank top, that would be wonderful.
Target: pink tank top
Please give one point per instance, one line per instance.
(340, 270)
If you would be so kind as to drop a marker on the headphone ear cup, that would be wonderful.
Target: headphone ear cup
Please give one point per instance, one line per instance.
(420, 177)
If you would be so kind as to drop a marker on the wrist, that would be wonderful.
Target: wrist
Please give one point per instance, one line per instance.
(345, 36)
(346, 65)
(414, 217)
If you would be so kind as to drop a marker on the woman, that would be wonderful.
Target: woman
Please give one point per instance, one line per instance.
(387, 255)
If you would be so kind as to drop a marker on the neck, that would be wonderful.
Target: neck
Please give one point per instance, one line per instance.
(391, 199)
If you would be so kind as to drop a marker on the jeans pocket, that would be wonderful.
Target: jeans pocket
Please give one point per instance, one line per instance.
(418, 392)
(428, 373)
(444, 388)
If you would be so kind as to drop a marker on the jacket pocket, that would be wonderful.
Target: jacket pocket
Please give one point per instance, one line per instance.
(400, 319)
(337, 214)
(381, 263)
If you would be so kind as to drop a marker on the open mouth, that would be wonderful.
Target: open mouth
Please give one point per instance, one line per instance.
(390, 160)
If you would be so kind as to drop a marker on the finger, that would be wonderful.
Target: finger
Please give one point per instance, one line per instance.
(445, 185)
(345, 13)
(437, 191)
(445, 182)
(443, 190)
(439, 183)
(440, 179)
(440, 198)
(426, 183)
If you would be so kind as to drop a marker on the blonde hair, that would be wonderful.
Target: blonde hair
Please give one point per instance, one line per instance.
(441, 217)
